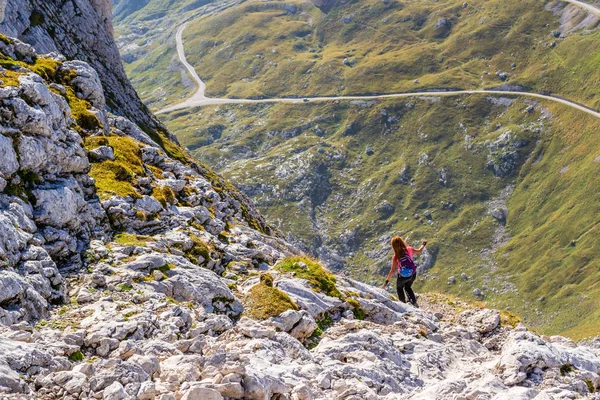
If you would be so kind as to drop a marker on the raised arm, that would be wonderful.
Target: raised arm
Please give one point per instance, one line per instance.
(420, 249)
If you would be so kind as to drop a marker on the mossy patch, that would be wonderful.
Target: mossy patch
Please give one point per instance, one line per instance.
(199, 249)
(80, 111)
(164, 194)
(358, 312)
(317, 276)
(116, 177)
(50, 70)
(129, 239)
(508, 318)
(9, 78)
(264, 301)
(5, 39)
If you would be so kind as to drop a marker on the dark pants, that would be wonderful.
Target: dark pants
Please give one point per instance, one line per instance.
(404, 284)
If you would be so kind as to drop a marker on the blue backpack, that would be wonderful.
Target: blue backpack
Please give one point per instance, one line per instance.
(406, 266)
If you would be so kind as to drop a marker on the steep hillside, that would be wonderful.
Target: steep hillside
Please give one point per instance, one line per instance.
(457, 170)
(487, 180)
(129, 274)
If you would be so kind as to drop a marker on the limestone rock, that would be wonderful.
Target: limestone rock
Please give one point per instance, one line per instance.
(483, 321)
(102, 153)
(198, 393)
(114, 392)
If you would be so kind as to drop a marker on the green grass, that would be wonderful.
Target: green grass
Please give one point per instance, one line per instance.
(77, 356)
(164, 194)
(316, 275)
(265, 301)
(128, 239)
(125, 287)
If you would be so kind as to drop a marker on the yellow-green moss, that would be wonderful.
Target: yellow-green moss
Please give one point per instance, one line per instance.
(199, 249)
(590, 386)
(5, 39)
(264, 302)
(116, 177)
(164, 194)
(50, 70)
(318, 277)
(80, 111)
(10, 78)
(128, 239)
(47, 68)
(508, 318)
(358, 312)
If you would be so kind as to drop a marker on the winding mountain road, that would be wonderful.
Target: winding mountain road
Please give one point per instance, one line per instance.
(588, 7)
(199, 98)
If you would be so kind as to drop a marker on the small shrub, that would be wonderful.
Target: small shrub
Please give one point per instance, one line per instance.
(125, 287)
(324, 321)
(36, 18)
(566, 369)
(77, 356)
(590, 386)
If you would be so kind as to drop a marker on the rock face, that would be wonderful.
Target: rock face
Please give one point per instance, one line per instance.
(82, 30)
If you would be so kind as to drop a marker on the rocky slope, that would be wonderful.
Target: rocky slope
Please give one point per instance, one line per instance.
(127, 273)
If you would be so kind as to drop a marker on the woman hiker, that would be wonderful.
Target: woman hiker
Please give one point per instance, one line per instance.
(405, 268)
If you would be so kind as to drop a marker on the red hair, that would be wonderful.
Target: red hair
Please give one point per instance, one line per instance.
(399, 246)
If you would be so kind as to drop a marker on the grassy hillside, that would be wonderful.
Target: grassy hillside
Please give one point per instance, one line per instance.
(292, 48)
(343, 177)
